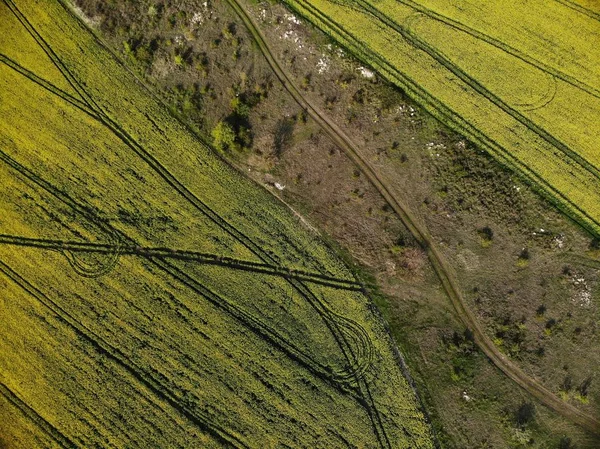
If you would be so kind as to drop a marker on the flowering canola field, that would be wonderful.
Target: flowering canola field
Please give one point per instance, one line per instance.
(150, 295)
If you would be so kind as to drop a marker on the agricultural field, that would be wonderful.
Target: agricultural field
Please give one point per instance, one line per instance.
(522, 82)
(490, 293)
(152, 295)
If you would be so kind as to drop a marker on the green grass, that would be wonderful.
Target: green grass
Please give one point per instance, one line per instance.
(137, 308)
(532, 99)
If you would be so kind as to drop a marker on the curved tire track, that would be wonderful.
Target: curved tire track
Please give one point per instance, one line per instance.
(420, 44)
(356, 368)
(502, 46)
(338, 378)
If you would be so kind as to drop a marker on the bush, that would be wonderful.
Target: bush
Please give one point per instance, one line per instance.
(178, 60)
(223, 136)
(486, 233)
(541, 310)
(283, 134)
(525, 414)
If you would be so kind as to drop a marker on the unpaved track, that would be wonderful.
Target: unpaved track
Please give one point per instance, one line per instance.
(441, 267)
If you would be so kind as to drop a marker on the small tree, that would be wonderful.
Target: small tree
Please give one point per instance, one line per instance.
(223, 136)
(284, 130)
(584, 388)
(525, 414)
(524, 254)
(486, 235)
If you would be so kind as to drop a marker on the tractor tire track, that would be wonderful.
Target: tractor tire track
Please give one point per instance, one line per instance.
(479, 88)
(354, 370)
(92, 271)
(191, 256)
(35, 417)
(197, 417)
(337, 378)
(442, 269)
(50, 53)
(188, 255)
(453, 120)
(580, 9)
(47, 85)
(379, 428)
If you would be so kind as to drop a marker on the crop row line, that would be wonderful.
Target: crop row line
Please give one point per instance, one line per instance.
(88, 270)
(141, 152)
(35, 417)
(439, 110)
(99, 268)
(192, 256)
(114, 353)
(419, 232)
(342, 329)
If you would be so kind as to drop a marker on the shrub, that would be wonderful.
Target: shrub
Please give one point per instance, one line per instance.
(178, 60)
(525, 414)
(223, 136)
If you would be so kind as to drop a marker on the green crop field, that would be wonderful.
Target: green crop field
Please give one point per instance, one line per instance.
(519, 79)
(151, 295)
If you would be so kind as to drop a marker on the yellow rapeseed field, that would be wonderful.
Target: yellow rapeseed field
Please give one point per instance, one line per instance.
(151, 296)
